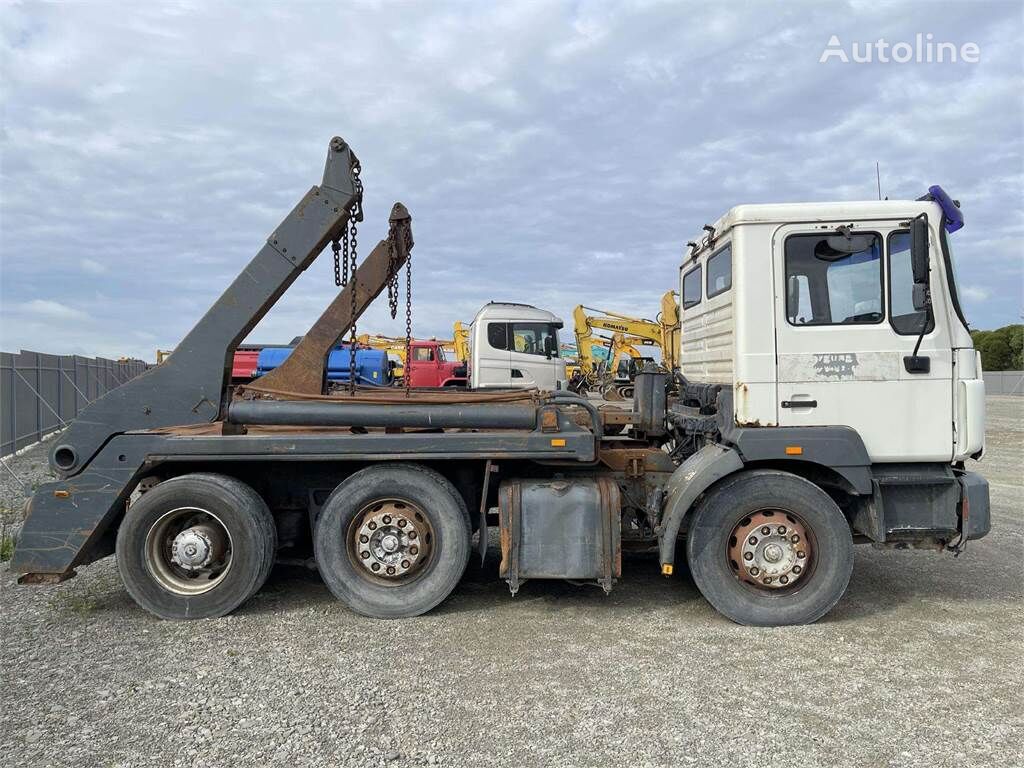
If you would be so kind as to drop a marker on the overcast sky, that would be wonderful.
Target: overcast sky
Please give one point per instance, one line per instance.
(552, 153)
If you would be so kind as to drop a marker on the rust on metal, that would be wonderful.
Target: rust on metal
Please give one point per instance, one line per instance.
(742, 404)
(612, 415)
(549, 420)
(770, 549)
(390, 541)
(302, 372)
(505, 530)
(611, 507)
(640, 460)
(386, 396)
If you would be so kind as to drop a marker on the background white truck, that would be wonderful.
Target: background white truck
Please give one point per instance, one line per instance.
(515, 346)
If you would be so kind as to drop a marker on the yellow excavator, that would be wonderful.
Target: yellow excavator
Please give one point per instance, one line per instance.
(627, 334)
(611, 373)
(392, 345)
(461, 340)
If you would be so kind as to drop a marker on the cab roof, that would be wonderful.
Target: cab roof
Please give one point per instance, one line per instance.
(502, 310)
(783, 213)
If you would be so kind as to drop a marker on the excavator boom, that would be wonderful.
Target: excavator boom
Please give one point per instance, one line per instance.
(663, 332)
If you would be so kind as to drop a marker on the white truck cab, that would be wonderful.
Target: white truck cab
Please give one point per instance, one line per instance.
(838, 340)
(515, 346)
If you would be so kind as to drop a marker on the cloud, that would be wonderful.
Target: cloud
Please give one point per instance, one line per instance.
(975, 292)
(53, 310)
(553, 153)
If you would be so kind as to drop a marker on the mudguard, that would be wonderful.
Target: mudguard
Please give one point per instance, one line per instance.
(694, 476)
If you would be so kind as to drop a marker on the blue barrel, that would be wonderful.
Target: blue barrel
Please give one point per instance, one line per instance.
(372, 366)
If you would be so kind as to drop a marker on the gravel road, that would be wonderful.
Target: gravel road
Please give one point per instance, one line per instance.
(918, 665)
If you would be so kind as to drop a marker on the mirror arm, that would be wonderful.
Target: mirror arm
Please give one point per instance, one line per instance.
(924, 324)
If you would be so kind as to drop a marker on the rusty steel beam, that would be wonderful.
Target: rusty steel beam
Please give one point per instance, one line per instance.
(302, 372)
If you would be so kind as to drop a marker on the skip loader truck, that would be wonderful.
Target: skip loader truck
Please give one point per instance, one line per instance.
(827, 394)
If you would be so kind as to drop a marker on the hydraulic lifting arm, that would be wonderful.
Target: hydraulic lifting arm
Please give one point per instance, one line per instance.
(188, 387)
(95, 457)
(302, 373)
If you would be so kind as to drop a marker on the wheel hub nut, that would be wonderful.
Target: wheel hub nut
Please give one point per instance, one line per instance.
(391, 541)
(193, 548)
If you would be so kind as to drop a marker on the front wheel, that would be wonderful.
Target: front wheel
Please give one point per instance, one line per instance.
(392, 541)
(768, 548)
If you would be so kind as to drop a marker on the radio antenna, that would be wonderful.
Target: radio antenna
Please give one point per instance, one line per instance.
(878, 179)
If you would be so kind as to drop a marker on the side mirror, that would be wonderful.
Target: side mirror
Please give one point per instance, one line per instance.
(919, 251)
(549, 346)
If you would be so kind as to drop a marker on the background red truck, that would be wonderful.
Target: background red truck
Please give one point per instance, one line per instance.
(428, 366)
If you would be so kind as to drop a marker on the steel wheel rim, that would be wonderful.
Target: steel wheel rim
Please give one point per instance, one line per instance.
(772, 551)
(390, 542)
(188, 551)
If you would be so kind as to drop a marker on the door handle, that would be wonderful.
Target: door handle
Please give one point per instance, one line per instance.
(799, 403)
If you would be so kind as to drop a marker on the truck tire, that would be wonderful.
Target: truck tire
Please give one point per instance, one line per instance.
(393, 540)
(767, 548)
(196, 546)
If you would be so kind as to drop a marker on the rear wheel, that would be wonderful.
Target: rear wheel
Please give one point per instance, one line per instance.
(769, 548)
(393, 540)
(196, 546)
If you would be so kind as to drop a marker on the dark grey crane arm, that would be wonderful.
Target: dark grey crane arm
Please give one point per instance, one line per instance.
(188, 387)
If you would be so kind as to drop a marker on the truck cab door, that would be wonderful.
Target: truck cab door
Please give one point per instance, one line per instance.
(534, 356)
(420, 366)
(491, 361)
(844, 321)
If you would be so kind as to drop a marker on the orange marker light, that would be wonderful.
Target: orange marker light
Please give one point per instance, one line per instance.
(558, 442)
(61, 494)
(794, 450)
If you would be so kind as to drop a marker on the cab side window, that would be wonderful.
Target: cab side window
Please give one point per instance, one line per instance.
(692, 288)
(720, 272)
(833, 279)
(497, 335)
(904, 318)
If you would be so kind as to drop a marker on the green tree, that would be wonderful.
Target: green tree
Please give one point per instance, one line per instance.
(1001, 349)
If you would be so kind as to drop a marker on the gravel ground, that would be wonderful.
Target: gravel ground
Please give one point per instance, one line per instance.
(919, 664)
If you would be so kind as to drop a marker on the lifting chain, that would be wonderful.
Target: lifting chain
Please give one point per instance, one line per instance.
(336, 247)
(393, 269)
(351, 243)
(395, 230)
(408, 303)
